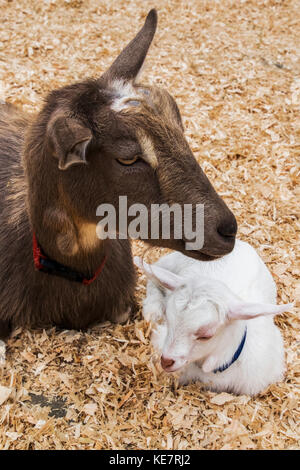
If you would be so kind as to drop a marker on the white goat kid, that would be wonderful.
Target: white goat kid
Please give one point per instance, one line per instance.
(214, 320)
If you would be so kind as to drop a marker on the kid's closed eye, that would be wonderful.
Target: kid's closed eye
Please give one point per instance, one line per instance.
(203, 338)
(128, 161)
(204, 334)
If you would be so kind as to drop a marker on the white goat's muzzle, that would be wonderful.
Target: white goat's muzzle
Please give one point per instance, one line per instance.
(170, 364)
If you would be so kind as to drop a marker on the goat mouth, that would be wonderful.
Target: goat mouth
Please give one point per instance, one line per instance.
(169, 369)
(200, 255)
(174, 368)
(204, 254)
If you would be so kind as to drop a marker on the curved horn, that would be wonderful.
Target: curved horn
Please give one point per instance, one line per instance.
(128, 64)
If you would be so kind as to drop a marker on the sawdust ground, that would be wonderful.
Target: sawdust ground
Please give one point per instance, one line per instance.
(233, 67)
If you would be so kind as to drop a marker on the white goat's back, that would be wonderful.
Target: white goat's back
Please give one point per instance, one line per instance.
(242, 270)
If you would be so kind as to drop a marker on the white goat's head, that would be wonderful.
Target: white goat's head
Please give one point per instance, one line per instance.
(197, 310)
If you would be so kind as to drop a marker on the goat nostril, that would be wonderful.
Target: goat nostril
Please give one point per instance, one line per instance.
(228, 229)
(166, 362)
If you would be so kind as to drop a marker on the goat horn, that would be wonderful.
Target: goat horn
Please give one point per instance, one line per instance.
(128, 64)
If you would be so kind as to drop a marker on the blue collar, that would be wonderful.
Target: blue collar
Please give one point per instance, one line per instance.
(235, 356)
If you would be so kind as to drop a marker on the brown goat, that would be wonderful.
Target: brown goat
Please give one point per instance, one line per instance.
(92, 142)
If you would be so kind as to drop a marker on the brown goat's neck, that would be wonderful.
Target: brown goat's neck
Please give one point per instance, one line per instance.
(64, 236)
(71, 242)
(47, 265)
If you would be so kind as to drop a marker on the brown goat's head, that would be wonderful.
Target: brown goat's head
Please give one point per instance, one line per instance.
(111, 136)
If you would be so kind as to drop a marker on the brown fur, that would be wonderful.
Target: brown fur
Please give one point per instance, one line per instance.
(58, 167)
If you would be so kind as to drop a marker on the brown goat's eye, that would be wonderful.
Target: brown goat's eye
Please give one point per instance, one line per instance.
(128, 161)
(203, 338)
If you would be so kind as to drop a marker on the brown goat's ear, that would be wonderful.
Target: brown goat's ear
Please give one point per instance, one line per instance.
(68, 140)
(128, 64)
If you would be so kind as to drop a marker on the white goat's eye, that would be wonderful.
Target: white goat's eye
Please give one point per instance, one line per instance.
(203, 338)
(127, 162)
(203, 335)
(206, 332)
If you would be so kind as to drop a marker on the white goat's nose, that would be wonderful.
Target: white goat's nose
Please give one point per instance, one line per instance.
(166, 362)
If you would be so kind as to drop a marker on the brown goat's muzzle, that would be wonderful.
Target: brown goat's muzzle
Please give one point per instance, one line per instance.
(219, 239)
(183, 182)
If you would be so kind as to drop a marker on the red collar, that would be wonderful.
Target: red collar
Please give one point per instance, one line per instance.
(47, 265)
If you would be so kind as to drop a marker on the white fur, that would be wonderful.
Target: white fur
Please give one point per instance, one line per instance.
(124, 93)
(217, 298)
(2, 352)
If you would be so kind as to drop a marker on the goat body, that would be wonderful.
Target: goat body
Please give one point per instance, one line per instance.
(91, 143)
(201, 312)
(29, 297)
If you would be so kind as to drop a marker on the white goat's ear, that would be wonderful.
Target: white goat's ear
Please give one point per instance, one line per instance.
(247, 310)
(159, 275)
